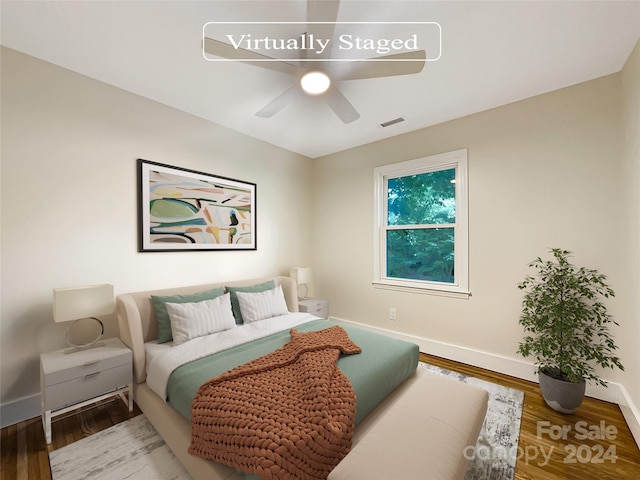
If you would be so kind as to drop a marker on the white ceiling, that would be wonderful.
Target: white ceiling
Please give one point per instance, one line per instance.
(493, 53)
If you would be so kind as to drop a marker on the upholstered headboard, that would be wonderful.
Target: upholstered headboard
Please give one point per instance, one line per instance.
(137, 317)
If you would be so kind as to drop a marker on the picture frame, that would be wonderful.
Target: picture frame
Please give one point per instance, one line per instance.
(188, 210)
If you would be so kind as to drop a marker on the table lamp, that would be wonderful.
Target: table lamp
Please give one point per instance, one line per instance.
(303, 277)
(74, 304)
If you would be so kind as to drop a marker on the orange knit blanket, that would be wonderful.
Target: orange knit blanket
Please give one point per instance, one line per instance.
(287, 415)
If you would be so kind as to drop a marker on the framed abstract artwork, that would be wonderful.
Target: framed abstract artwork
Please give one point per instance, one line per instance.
(181, 210)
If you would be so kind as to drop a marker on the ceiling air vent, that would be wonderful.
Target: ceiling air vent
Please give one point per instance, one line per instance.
(392, 122)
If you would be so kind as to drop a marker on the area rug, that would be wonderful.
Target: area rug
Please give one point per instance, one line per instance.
(494, 456)
(128, 450)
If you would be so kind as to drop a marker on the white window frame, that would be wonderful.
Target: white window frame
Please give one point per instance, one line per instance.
(456, 159)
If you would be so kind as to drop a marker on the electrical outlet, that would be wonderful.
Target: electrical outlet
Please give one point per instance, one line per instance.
(392, 314)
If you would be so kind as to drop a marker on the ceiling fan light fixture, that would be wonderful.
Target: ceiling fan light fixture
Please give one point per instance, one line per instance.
(315, 83)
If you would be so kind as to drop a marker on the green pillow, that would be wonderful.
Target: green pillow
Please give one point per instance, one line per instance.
(164, 322)
(235, 305)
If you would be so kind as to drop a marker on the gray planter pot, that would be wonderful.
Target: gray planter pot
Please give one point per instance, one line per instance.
(563, 397)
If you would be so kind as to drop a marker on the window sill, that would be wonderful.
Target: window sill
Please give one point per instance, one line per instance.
(422, 290)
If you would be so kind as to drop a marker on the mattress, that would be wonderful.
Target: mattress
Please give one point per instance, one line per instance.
(384, 364)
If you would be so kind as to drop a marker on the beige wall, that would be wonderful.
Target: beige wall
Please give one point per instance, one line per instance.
(630, 341)
(544, 172)
(69, 201)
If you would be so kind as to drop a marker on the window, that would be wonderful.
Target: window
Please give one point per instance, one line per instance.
(421, 225)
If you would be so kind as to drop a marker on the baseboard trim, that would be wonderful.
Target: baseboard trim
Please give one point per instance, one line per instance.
(615, 393)
(19, 410)
(631, 415)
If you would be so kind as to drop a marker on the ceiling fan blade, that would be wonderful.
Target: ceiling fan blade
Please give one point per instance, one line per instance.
(278, 103)
(341, 106)
(322, 11)
(220, 49)
(380, 68)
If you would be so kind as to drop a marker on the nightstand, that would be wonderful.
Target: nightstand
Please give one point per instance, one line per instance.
(315, 306)
(73, 380)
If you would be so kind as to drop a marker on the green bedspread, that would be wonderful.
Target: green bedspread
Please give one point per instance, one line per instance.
(384, 364)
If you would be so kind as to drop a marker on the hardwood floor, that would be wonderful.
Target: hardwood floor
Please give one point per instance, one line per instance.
(610, 453)
(25, 455)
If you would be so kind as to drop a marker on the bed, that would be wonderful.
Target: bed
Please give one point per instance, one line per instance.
(383, 365)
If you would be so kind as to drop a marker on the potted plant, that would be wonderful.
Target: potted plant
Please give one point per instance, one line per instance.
(567, 328)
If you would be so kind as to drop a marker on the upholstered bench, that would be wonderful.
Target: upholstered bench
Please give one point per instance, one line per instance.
(422, 436)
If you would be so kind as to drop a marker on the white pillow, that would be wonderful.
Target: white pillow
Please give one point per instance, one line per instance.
(196, 319)
(260, 305)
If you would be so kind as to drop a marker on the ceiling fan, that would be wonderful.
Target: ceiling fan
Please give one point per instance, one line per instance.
(321, 18)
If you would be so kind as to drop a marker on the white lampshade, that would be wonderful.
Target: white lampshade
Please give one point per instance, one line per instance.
(75, 303)
(302, 275)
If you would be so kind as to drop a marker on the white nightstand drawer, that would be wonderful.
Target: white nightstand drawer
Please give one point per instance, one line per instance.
(315, 306)
(59, 368)
(86, 387)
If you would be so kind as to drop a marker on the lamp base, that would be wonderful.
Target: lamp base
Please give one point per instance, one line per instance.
(306, 291)
(78, 347)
